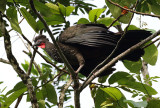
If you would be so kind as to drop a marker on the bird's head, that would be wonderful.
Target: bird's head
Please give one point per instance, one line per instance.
(40, 41)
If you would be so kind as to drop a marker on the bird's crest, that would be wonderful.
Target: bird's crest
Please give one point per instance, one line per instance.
(40, 37)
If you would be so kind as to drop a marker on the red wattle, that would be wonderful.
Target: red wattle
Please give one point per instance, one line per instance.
(42, 45)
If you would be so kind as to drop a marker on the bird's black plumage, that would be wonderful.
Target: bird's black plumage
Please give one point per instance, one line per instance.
(87, 45)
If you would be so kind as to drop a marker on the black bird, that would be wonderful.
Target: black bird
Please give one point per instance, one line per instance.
(87, 45)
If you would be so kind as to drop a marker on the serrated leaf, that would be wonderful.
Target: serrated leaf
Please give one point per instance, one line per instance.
(113, 92)
(12, 16)
(13, 97)
(3, 5)
(132, 65)
(51, 93)
(31, 21)
(83, 21)
(143, 88)
(151, 54)
(133, 104)
(95, 13)
(116, 77)
(107, 21)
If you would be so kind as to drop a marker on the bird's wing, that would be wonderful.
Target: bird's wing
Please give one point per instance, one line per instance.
(94, 36)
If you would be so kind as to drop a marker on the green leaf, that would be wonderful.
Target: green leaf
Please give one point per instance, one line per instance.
(31, 21)
(132, 65)
(44, 10)
(54, 20)
(101, 96)
(133, 27)
(154, 103)
(119, 76)
(83, 21)
(54, 8)
(108, 21)
(3, 5)
(141, 87)
(151, 54)
(155, 7)
(39, 95)
(69, 10)
(66, 11)
(12, 16)
(102, 79)
(95, 13)
(133, 104)
(51, 93)
(41, 103)
(62, 9)
(18, 86)
(113, 92)
(116, 11)
(13, 97)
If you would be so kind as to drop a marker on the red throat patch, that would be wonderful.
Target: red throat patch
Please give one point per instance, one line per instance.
(42, 45)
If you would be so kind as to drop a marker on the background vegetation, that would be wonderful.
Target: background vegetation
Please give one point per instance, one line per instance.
(48, 84)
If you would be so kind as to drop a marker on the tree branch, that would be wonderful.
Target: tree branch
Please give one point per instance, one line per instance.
(130, 10)
(31, 62)
(4, 61)
(62, 94)
(25, 78)
(117, 58)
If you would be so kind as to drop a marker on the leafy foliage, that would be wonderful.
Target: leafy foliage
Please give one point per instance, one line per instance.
(48, 79)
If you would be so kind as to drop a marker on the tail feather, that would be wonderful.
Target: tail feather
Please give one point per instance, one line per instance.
(131, 38)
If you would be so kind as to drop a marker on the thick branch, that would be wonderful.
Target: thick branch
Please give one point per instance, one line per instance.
(25, 78)
(117, 58)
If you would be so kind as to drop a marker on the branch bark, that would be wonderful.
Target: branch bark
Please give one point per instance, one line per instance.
(25, 78)
(4, 61)
(62, 94)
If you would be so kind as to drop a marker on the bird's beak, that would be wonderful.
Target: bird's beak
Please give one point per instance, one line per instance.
(36, 44)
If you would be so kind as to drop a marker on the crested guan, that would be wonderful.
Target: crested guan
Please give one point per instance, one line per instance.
(87, 45)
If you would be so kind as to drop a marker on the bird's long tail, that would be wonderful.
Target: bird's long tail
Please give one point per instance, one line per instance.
(131, 38)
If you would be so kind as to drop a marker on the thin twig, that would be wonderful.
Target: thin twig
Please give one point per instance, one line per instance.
(31, 61)
(4, 61)
(62, 94)
(151, 43)
(130, 10)
(18, 101)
